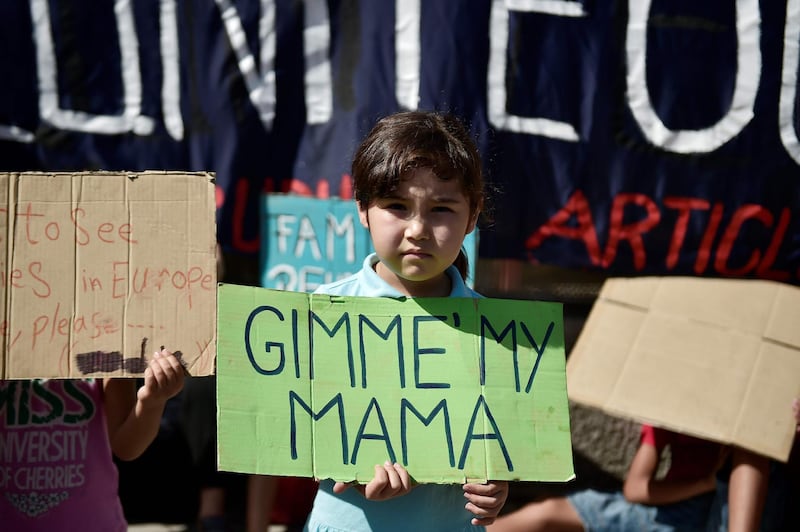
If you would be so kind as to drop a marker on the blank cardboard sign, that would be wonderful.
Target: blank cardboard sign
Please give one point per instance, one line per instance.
(714, 358)
(98, 270)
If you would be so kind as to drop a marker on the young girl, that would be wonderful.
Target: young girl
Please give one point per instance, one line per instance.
(56, 440)
(419, 189)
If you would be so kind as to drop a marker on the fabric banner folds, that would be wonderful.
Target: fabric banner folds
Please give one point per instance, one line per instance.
(640, 137)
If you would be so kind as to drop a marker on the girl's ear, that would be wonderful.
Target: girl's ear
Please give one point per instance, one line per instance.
(362, 215)
(473, 221)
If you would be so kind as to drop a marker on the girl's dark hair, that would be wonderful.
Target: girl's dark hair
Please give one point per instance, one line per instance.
(405, 141)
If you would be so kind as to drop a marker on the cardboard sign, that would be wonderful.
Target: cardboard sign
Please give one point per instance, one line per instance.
(451, 388)
(101, 269)
(714, 358)
(310, 241)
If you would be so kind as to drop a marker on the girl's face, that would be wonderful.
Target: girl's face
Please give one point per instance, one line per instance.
(418, 232)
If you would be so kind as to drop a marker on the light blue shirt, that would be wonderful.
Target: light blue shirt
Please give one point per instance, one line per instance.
(428, 507)
(366, 282)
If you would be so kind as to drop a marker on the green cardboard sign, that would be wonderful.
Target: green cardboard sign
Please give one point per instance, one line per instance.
(455, 389)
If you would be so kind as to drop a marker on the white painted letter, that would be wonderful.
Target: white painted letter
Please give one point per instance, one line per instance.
(15, 133)
(131, 118)
(335, 229)
(305, 234)
(284, 230)
(317, 53)
(496, 82)
(407, 53)
(170, 69)
(748, 74)
(260, 83)
(791, 34)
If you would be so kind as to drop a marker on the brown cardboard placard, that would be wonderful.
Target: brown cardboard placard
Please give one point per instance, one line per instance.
(714, 358)
(100, 269)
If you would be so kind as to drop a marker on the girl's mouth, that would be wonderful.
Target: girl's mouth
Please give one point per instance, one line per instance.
(420, 254)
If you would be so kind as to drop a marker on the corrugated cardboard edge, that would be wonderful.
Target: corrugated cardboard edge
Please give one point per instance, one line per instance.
(9, 249)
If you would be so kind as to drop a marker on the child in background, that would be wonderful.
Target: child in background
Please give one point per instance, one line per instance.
(418, 185)
(680, 501)
(697, 493)
(57, 439)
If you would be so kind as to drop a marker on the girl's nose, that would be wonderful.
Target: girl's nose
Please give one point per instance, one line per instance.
(417, 228)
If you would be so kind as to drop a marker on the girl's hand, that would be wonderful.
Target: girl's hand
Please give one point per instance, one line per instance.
(485, 500)
(163, 379)
(390, 480)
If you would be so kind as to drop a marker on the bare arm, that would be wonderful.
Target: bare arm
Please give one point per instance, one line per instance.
(747, 487)
(747, 490)
(641, 486)
(261, 493)
(133, 417)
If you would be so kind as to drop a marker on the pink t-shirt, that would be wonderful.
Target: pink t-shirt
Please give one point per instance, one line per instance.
(56, 470)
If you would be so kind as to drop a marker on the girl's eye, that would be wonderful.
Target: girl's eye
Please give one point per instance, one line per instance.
(394, 206)
(442, 208)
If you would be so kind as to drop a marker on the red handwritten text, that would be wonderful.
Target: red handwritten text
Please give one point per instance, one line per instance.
(128, 281)
(574, 221)
(63, 324)
(39, 228)
(29, 277)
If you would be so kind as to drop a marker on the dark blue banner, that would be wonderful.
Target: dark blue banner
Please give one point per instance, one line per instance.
(638, 137)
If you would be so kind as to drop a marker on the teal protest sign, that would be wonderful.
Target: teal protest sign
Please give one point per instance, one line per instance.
(454, 389)
(309, 241)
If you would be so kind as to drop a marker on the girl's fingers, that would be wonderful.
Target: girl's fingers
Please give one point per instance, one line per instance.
(479, 489)
(340, 487)
(490, 488)
(393, 476)
(399, 479)
(374, 487)
(165, 374)
(405, 478)
(170, 364)
(483, 521)
(149, 380)
(483, 506)
(157, 368)
(390, 480)
(166, 361)
(481, 501)
(485, 500)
